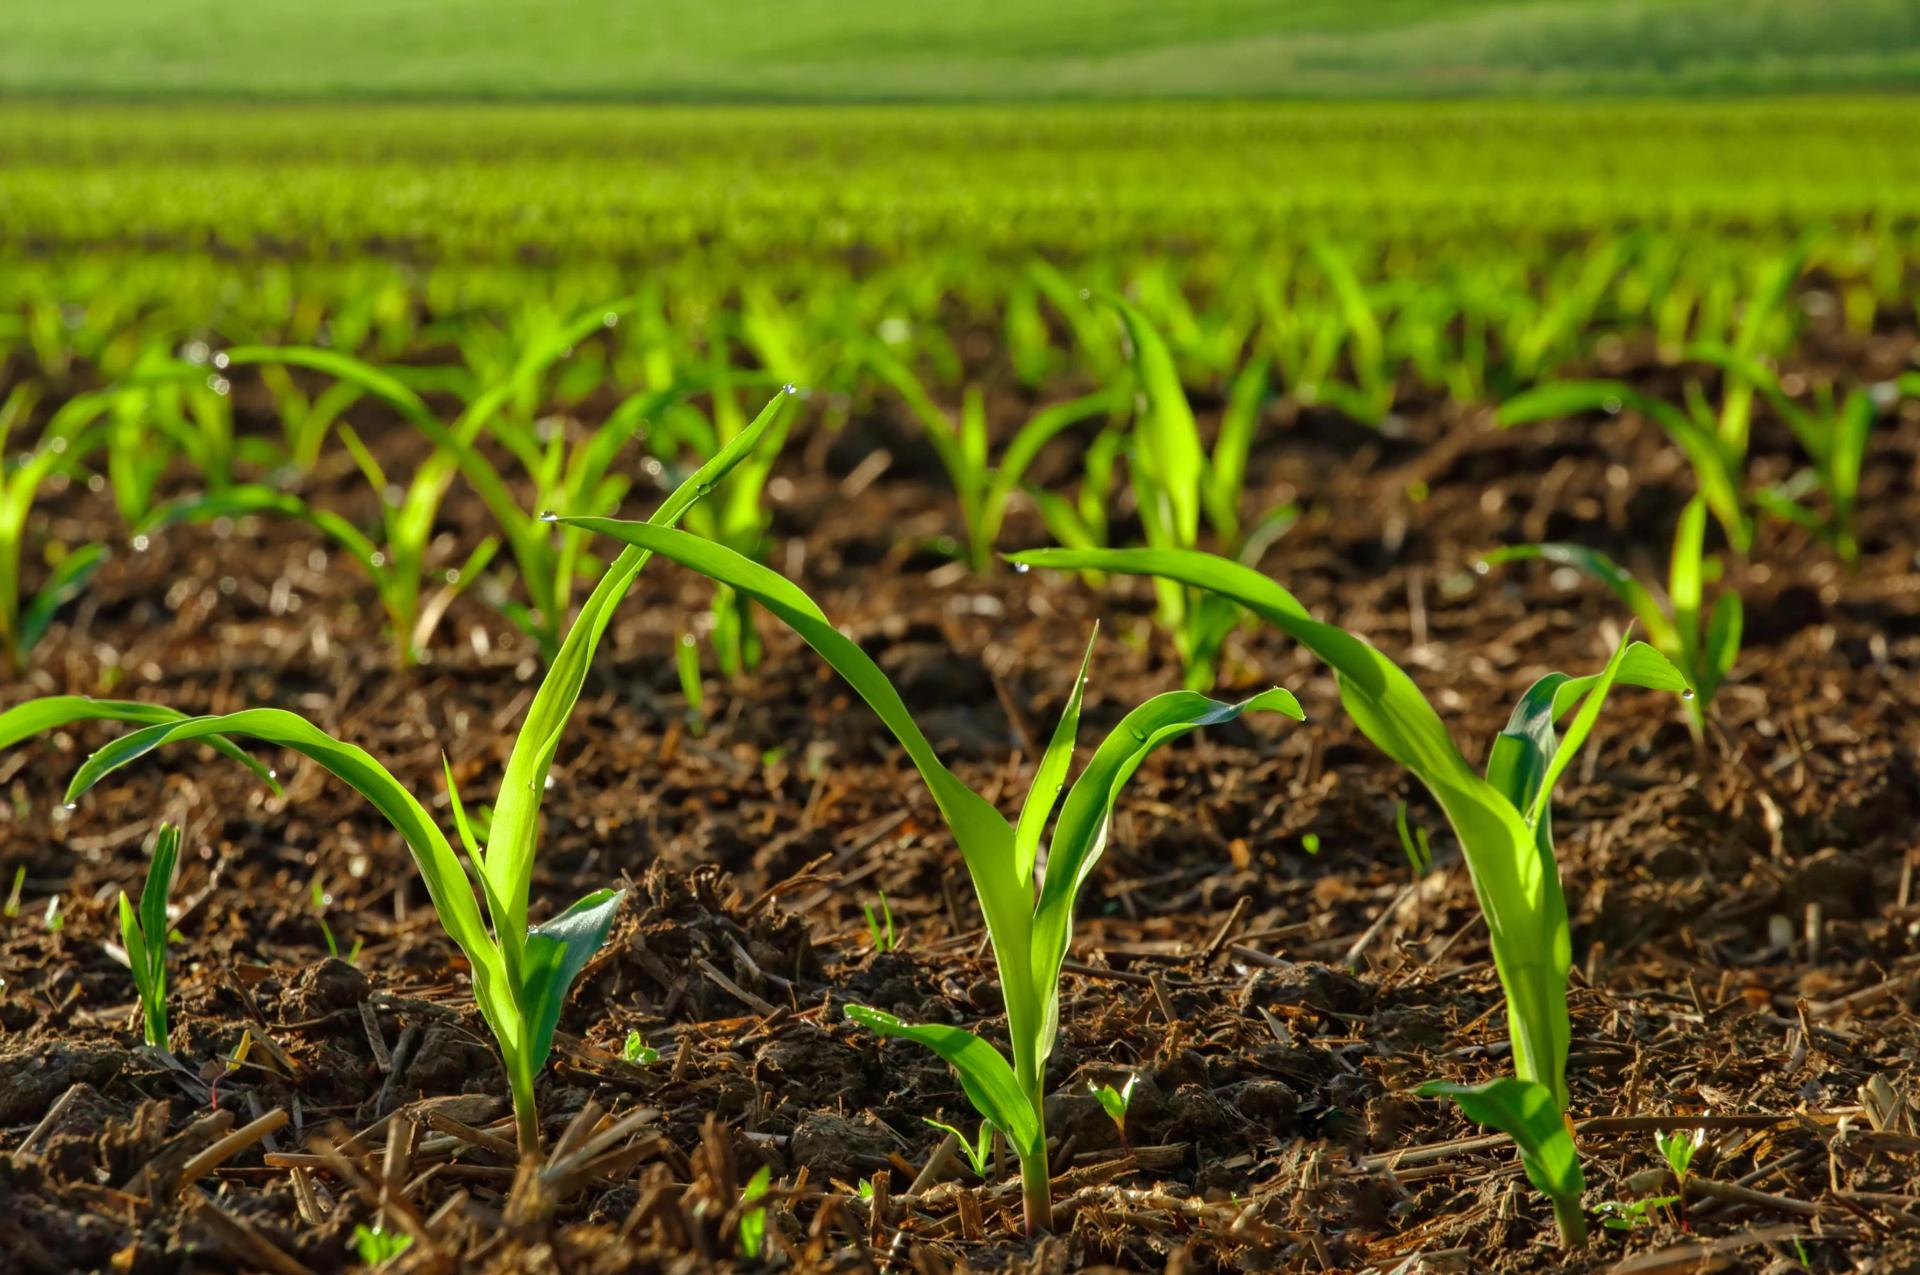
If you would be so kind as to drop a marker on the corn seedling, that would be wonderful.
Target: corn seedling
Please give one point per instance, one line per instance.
(144, 932)
(1503, 822)
(374, 1245)
(965, 450)
(1176, 483)
(397, 564)
(1628, 1215)
(521, 974)
(753, 1216)
(12, 906)
(1834, 434)
(59, 453)
(1704, 644)
(880, 925)
(1029, 934)
(978, 1152)
(1115, 1102)
(735, 515)
(636, 1050)
(1677, 1147)
(53, 919)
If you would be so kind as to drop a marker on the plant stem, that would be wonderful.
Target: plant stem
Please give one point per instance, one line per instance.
(1572, 1220)
(1036, 1189)
(526, 1114)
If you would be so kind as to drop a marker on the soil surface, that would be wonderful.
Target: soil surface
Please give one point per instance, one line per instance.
(1253, 946)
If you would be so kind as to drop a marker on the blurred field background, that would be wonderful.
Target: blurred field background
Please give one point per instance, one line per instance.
(836, 50)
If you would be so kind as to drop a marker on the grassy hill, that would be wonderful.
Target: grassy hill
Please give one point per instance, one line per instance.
(952, 49)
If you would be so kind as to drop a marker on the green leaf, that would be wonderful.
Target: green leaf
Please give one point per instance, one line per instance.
(67, 581)
(986, 839)
(1050, 777)
(984, 1074)
(1081, 836)
(1525, 1111)
(1645, 608)
(556, 952)
(1167, 440)
(52, 712)
(1559, 399)
(514, 831)
(446, 883)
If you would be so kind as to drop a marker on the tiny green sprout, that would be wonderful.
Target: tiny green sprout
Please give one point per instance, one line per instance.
(864, 1189)
(686, 661)
(13, 895)
(880, 925)
(637, 1050)
(1627, 1215)
(1677, 1148)
(753, 1217)
(1310, 843)
(55, 920)
(376, 1245)
(979, 1152)
(1115, 1101)
(144, 933)
(321, 901)
(1414, 842)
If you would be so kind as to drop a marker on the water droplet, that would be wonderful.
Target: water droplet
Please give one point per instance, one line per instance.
(272, 773)
(1687, 693)
(547, 515)
(1021, 568)
(220, 360)
(140, 544)
(789, 388)
(69, 805)
(548, 785)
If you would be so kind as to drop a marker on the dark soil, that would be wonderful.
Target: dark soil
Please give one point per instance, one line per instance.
(1744, 915)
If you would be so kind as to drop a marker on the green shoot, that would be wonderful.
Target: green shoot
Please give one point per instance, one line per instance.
(1627, 1215)
(979, 1152)
(1414, 842)
(864, 1189)
(1503, 820)
(637, 1050)
(374, 1246)
(53, 919)
(1677, 1147)
(1525, 1111)
(60, 451)
(880, 925)
(1029, 934)
(753, 1217)
(1703, 644)
(1176, 482)
(521, 972)
(1115, 1102)
(12, 908)
(686, 662)
(983, 485)
(144, 933)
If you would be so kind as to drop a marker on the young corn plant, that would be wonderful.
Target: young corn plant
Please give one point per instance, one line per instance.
(1177, 484)
(735, 515)
(984, 485)
(1029, 910)
(60, 452)
(1503, 820)
(1703, 643)
(521, 973)
(397, 563)
(144, 931)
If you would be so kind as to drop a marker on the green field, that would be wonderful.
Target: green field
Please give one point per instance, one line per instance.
(965, 49)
